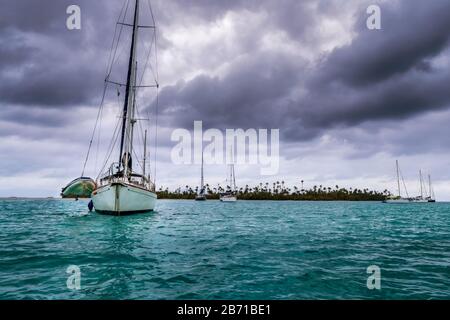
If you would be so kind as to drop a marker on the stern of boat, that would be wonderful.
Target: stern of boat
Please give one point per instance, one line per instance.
(121, 199)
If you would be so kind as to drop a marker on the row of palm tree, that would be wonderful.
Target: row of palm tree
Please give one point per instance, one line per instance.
(279, 191)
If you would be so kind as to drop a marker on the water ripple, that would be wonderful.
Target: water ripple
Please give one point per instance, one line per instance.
(211, 250)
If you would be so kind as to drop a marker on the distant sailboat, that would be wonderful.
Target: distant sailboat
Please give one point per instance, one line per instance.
(420, 198)
(122, 190)
(426, 196)
(399, 199)
(431, 197)
(230, 194)
(201, 196)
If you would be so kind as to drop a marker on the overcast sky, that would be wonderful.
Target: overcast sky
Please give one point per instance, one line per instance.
(348, 101)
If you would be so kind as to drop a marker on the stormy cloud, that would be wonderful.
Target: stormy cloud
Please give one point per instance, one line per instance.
(310, 68)
(396, 72)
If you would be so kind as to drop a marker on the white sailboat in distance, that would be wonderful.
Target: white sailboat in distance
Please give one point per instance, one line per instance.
(201, 196)
(431, 197)
(422, 198)
(398, 199)
(230, 194)
(122, 190)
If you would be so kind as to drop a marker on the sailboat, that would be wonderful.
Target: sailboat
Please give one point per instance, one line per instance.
(230, 194)
(426, 196)
(431, 197)
(421, 198)
(121, 189)
(398, 199)
(201, 196)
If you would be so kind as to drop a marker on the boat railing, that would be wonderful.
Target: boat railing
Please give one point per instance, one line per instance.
(113, 175)
(112, 171)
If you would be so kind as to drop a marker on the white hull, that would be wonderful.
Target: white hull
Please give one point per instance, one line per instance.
(398, 201)
(120, 198)
(228, 199)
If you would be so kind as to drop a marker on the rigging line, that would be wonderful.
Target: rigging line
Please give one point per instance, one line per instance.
(121, 53)
(146, 63)
(136, 105)
(155, 76)
(141, 137)
(109, 66)
(151, 12)
(156, 136)
(118, 41)
(139, 162)
(404, 184)
(151, 68)
(139, 117)
(148, 59)
(95, 128)
(110, 148)
(139, 142)
(156, 42)
(149, 158)
(98, 139)
(149, 55)
(128, 137)
(157, 94)
(142, 77)
(137, 152)
(114, 38)
(113, 141)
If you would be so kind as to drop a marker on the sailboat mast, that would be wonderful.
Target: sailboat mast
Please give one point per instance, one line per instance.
(429, 186)
(421, 184)
(234, 178)
(201, 180)
(129, 93)
(131, 122)
(231, 167)
(230, 177)
(145, 155)
(398, 178)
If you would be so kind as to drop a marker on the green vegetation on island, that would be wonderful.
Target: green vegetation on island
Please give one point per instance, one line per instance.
(279, 191)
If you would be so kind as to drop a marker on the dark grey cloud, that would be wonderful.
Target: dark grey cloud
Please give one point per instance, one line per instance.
(385, 91)
(412, 32)
(398, 98)
(296, 18)
(394, 73)
(43, 63)
(382, 75)
(32, 116)
(248, 95)
(391, 74)
(13, 51)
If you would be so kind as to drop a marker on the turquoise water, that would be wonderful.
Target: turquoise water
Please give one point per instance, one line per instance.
(213, 250)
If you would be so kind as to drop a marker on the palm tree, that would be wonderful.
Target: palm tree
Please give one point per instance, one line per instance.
(280, 191)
